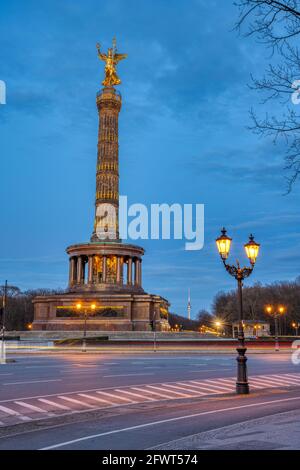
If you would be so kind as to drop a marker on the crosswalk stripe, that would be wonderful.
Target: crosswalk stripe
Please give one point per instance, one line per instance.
(206, 387)
(265, 382)
(183, 386)
(99, 400)
(14, 413)
(252, 385)
(116, 397)
(165, 389)
(153, 393)
(77, 402)
(295, 376)
(31, 407)
(285, 380)
(8, 411)
(185, 389)
(195, 387)
(222, 387)
(227, 382)
(53, 403)
(135, 394)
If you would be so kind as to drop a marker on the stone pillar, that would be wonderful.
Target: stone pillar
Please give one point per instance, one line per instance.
(79, 270)
(136, 272)
(129, 271)
(90, 269)
(104, 270)
(118, 269)
(140, 273)
(72, 271)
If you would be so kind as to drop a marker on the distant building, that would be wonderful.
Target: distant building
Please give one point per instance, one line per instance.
(252, 329)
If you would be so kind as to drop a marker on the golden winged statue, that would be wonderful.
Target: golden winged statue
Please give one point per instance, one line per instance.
(111, 60)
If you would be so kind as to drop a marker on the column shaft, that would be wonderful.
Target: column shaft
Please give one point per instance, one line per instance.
(136, 272)
(104, 269)
(79, 270)
(118, 269)
(90, 269)
(129, 271)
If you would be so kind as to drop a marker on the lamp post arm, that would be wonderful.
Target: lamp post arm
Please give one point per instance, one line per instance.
(238, 272)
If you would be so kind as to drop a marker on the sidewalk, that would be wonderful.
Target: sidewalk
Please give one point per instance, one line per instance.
(276, 432)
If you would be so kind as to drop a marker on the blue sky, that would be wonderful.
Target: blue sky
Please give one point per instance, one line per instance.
(183, 138)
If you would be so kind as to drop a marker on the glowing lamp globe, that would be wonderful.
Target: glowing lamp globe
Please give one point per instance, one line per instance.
(223, 244)
(252, 249)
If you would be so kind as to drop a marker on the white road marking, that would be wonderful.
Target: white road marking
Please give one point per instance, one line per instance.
(184, 388)
(100, 400)
(128, 375)
(53, 403)
(116, 397)
(33, 382)
(196, 388)
(134, 394)
(168, 420)
(77, 402)
(167, 390)
(8, 411)
(295, 376)
(207, 370)
(31, 407)
(265, 382)
(161, 395)
(203, 386)
(284, 381)
(222, 387)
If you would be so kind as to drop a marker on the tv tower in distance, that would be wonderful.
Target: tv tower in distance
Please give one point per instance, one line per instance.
(189, 304)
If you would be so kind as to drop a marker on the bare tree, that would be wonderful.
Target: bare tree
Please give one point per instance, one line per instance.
(276, 24)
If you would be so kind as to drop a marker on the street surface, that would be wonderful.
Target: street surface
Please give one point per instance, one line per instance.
(118, 401)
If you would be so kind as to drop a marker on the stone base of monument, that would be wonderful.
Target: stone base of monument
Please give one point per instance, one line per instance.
(113, 312)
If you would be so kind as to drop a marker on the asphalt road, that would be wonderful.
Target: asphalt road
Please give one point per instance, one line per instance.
(144, 400)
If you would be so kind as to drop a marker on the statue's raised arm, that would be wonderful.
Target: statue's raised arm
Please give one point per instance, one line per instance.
(100, 54)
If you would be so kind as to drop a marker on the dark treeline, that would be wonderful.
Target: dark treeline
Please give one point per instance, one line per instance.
(19, 307)
(256, 298)
(19, 312)
(183, 323)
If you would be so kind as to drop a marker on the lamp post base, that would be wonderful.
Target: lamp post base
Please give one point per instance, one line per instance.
(242, 385)
(242, 388)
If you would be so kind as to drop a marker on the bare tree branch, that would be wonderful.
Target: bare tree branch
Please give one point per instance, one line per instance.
(277, 25)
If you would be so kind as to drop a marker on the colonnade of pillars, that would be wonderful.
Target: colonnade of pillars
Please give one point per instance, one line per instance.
(82, 270)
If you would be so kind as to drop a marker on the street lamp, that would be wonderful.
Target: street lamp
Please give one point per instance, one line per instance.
(252, 250)
(85, 312)
(296, 326)
(276, 311)
(218, 325)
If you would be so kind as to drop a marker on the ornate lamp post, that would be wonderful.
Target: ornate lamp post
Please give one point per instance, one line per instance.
(252, 250)
(85, 312)
(276, 312)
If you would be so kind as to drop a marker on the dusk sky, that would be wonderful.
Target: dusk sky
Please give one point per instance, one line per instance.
(183, 139)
